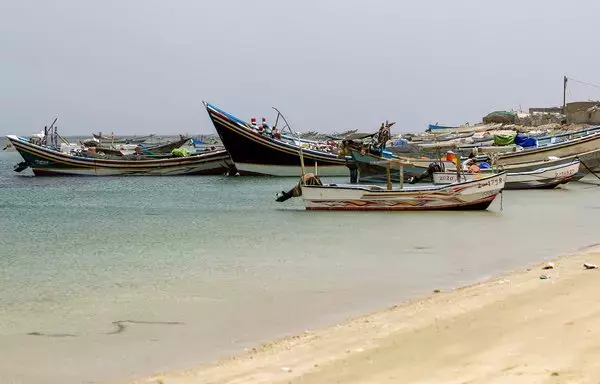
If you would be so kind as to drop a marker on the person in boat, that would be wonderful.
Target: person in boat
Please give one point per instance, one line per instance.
(451, 157)
(276, 133)
(344, 150)
(471, 166)
(265, 127)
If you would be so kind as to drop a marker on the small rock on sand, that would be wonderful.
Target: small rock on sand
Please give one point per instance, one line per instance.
(590, 266)
(550, 265)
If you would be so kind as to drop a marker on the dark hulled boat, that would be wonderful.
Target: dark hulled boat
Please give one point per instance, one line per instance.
(47, 161)
(256, 154)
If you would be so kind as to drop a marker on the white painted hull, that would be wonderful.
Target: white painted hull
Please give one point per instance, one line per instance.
(289, 171)
(469, 195)
(541, 178)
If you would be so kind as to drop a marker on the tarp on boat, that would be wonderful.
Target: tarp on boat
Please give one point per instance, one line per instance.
(501, 117)
(180, 152)
(525, 141)
(504, 139)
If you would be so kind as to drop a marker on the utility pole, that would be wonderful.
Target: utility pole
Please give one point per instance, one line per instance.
(565, 79)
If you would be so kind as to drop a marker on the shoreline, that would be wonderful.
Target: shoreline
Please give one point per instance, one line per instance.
(515, 327)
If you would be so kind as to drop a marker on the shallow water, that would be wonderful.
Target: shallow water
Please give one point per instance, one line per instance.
(196, 268)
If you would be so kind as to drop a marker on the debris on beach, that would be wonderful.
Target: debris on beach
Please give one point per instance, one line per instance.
(544, 277)
(590, 266)
(549, 265)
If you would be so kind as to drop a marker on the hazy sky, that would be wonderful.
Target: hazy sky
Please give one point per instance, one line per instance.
(144, 66)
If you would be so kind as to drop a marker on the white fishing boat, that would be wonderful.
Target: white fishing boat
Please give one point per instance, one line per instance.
(542, 178)
(470, 195)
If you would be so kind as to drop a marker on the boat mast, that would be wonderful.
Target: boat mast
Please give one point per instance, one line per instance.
(299, 141)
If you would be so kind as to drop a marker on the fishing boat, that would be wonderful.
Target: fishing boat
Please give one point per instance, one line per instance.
(542, 178)
(119, 149)
(372, 168)
(47, 160)
(122, 140)
(469, 195)
(439, 129)
(166, 147)
(566, 148)
(256, 153)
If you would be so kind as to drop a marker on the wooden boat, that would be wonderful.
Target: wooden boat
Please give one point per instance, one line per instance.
(47, 161)
(465, 128)
(566, 135)
(589, 161)
(541, 178)
(122, 140)
(120, 149)
(166, 147)
(436, 127)
(256, 154)
(470, 195)
(563, 149)
(372, 168)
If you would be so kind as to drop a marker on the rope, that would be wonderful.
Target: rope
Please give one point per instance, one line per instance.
(584, 82)
(589, 170)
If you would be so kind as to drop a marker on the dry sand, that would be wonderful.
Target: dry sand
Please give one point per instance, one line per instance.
(514, 329)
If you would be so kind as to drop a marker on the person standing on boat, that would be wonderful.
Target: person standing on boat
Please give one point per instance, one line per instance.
(265, 127)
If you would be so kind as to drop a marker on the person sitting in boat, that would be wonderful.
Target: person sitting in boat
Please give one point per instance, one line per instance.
(276, 133)
(265, 127)
(253, 123)
(470, 166)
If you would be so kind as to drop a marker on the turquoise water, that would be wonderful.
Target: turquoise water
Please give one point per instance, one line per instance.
(197, 268)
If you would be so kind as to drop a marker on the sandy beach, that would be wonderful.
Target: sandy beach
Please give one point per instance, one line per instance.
(519, 328)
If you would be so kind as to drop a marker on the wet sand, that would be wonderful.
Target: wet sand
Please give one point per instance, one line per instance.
(518, 328)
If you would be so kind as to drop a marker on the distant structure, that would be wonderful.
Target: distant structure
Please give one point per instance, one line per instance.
(577, 112)
(583, 112)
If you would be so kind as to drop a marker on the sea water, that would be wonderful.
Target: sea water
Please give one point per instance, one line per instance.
(105, 279)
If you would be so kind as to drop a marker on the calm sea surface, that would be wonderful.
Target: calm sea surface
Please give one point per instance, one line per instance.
(113, 278)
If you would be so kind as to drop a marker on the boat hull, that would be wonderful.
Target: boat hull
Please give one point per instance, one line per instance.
(472, 195)
(258, 155)
(47, 162)
(543, 178)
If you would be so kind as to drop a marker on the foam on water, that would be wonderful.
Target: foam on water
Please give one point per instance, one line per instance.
(111, 278)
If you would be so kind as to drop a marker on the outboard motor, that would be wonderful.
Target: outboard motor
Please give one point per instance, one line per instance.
(428, 174)
(308, 179)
